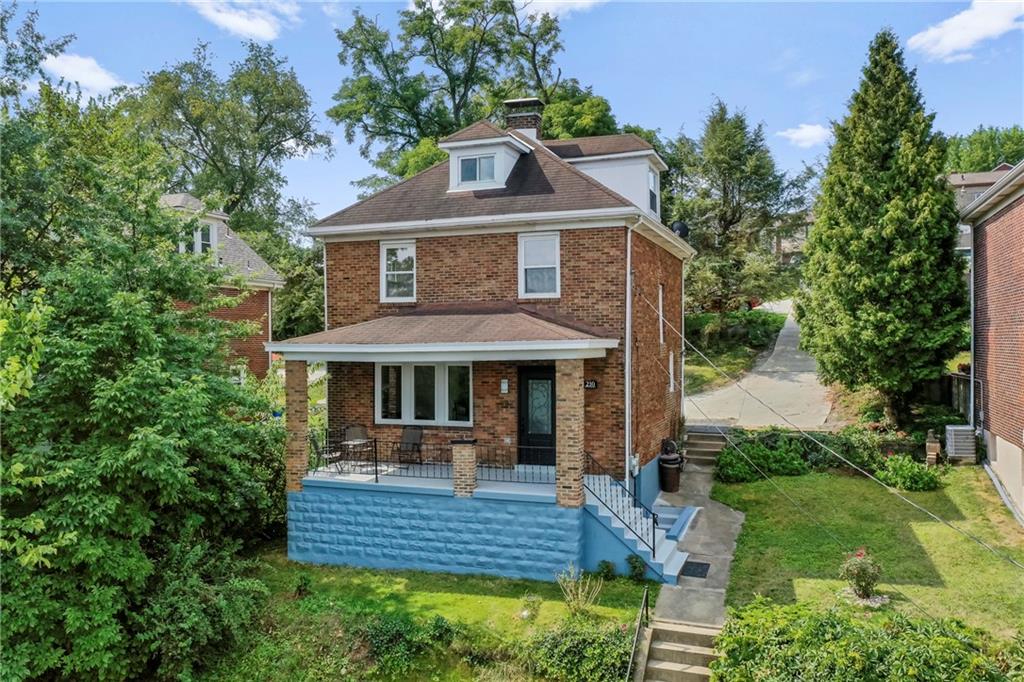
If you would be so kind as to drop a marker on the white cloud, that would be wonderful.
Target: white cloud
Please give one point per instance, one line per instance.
(803, 76)
(562, 8)
(92, 78)
(953, 39)
(255, 20)
(806, 135)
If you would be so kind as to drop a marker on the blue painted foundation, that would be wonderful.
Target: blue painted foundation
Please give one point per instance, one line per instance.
(602, 543)
(404, 527)
(647, 484)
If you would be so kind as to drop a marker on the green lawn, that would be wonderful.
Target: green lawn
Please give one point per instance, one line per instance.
(732, 341)
(699, 376)
(961, 358)
(306, 639)
(783, 555)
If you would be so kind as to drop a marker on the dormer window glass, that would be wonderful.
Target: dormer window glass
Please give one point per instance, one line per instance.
(204, 240)
(476, 169)
(652, 189)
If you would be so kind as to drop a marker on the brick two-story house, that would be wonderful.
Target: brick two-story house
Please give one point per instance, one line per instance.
(996, 217)
(502, 342)
(238, 259)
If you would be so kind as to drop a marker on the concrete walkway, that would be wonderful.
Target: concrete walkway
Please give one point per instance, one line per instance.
(711, 539)
(787, 380)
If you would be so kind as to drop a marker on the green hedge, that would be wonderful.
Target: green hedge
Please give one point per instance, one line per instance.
(754, 328)
(765, 641)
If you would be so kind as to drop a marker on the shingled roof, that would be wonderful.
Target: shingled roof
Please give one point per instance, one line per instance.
(481, 130)
(599, 145)
(539, 182)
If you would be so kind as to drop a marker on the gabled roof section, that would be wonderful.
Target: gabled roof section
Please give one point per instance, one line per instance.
(600, 145)
(540, 182)
(481, 130)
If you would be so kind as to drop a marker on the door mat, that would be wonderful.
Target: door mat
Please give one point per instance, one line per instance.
(695, 569)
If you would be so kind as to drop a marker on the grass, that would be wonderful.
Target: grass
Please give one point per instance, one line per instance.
(306, 639)
(732, 341)
(784, 555)
(961, 358)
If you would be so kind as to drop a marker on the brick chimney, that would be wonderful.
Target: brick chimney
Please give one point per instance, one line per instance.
(524, 115)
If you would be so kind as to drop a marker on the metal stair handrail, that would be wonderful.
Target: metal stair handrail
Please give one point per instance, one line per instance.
(643, 619)
(631, 513)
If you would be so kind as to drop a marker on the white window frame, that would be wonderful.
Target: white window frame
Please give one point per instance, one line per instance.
(661, 314)
(196, 248)
(671, 372)
(521, 267)
(408, 394)
(654, 191)
(479, 180)
(384, 246)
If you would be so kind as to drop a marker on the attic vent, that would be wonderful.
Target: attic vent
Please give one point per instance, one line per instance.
(960, 443)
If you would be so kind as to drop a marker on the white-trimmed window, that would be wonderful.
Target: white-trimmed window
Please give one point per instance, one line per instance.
(652, 189)
(661, 313)
(398, 272)
(204, 240)
(474, 169)
(539, 266)
(423, 393)
(671, 372)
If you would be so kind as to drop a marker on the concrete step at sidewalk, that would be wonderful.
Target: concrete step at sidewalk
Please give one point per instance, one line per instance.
(712, 438)
(676, 672)
(674, 652)
(704, 447)
(684, 633)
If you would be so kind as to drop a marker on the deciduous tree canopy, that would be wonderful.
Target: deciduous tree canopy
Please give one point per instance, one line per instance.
(985, 148)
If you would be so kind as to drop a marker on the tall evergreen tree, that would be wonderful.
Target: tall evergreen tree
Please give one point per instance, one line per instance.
(885, 299)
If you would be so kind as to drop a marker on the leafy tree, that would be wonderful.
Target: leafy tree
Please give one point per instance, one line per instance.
(231, 137)
(985, 148)
(24, 53)
(885, 302)
(577, 112)
(731, 194)
(133, 468)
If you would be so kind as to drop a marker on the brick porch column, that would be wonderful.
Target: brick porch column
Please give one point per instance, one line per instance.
(569, 433)
(296, 421)
(464, 467)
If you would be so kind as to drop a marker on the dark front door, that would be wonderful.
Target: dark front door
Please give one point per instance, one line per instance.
(537, 415)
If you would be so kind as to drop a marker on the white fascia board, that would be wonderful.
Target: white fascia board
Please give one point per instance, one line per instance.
(995, 197)
(658, 162)
(474, 221)
(444, 352)
(665, 238)
(504, 139)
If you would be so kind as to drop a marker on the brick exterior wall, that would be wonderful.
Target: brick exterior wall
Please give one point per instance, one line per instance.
(999, 333)
(296, 398)
(254, 308)
(466, 268)
(655, 408)
(569, 433)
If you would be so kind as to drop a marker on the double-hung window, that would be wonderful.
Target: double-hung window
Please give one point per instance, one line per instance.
(652, 189)
(424, 393)
(398, 272)
(539, 266)
(204, 240)
(476, 169)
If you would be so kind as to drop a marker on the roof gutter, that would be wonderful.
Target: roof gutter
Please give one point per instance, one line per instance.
(974, 213)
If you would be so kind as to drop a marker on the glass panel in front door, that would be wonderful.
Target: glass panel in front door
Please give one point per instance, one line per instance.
(539, 406)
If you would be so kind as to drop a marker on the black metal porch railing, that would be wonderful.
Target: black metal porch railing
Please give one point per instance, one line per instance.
(623, 504)
(513, 464)
(330, 453)
(643, 619)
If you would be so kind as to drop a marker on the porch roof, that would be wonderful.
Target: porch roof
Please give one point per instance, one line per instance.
(461, 332)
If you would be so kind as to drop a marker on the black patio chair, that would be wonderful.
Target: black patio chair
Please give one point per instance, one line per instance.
(409, 450)
(356, 444)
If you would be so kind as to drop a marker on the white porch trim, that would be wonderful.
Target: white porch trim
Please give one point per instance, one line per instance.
(445, 352)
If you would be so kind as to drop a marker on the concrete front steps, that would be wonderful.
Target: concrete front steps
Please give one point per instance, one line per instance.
(679, 652)
(702, 447)
(667, 560)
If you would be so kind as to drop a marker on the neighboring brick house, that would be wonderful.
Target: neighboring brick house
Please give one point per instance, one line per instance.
(997, 367)
(518, 302)
(233, 254)
(968, 187)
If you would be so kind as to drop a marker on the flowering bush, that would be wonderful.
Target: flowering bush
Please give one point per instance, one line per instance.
(862, 572)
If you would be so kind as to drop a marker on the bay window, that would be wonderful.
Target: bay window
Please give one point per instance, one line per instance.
(423, 393)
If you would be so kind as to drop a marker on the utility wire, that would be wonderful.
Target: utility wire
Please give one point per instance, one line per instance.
(807, 435)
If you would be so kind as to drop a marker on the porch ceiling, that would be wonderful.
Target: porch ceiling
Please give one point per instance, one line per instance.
(453, 333)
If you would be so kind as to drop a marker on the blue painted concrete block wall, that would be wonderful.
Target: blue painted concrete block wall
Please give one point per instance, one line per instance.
(431, 530)
(600, 543)
(647, 484)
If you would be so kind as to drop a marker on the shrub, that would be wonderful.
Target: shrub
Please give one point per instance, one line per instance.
(579, 590)
(530, 608)
(772, 453)
(441, 631)
(862, 572)
(637, 568)
(858, 445)
(579, 649)
(605, 570)
(805, 643)
(303, 585)
(394, 641)
(902, 472)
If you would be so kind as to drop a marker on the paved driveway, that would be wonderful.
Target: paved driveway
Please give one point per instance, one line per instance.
(787, 380)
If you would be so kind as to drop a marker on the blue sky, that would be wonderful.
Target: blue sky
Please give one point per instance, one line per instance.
(791, 66)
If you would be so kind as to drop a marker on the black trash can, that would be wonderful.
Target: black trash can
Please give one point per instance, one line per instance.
(668, 471)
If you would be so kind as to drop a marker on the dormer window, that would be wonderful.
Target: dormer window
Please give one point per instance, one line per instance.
(476, 169)
(204, 240)
(652, 189)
